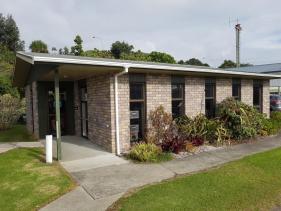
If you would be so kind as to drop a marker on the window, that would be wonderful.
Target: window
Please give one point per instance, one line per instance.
(177, 97)
(257, 95)
(210, 97)
(137, 107)
(236, 89)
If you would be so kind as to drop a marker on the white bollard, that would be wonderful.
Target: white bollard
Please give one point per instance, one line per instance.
(49, 150)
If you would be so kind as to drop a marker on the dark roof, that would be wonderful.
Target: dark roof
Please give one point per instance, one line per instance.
(263, 68)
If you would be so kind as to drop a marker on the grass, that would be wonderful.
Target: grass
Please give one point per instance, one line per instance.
(252, 183)
(17, 133)
(26, 183)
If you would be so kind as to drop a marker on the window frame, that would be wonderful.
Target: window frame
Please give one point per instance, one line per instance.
(258, 84)
(178, 81)
(212, 82)
(236, 82)
(138, 79)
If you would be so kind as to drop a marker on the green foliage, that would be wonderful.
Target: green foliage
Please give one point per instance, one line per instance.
(192, 128)
(193, 61)
(77, 49)
(11, 108)
(118, 48)
(146, 152)
(242, 120)
(99, 53)
(161, 127)
(9, 33)
(231, 64)
(273, 125)
(38, 46)
(6, 86)
(18, 133)
(161, 57)
(136, 56)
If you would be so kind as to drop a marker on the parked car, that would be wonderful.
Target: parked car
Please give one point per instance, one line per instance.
(275, 102)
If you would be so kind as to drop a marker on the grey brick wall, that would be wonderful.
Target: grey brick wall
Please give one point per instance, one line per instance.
(99, 111)
(266, 101)
(247, 91)
(29, 119)
(77, 111)
(158, 92)
(124, 112)
(194, 96)
(35, 109)
(223, 89)
(32, 119)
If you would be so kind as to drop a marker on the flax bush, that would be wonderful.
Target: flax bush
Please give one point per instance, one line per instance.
(11, 108)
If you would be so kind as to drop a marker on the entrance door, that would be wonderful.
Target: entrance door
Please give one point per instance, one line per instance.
(84, 109)
(52, 112)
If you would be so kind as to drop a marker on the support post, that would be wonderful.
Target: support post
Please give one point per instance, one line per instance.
(57, 104)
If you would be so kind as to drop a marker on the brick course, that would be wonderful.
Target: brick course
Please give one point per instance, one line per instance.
(266, 95)
(223, 89)
(247, 91)
(99, 111)
(194, 96)
(158, 92)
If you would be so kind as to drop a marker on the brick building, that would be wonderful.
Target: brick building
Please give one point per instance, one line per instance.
(108, 101)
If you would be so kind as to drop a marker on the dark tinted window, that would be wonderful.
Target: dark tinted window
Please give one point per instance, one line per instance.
(136, 91)
(177, 99)
(210, 98)
(236, 89)
(257, 95)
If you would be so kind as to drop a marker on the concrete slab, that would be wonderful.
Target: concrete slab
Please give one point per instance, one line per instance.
(79, 199)
(4, 147)
(111, 180)
(93, 162)
(76, 148)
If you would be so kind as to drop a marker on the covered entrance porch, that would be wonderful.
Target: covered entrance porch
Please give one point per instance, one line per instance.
(79, 154)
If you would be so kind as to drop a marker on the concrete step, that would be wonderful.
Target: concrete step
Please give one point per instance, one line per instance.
(93, 162)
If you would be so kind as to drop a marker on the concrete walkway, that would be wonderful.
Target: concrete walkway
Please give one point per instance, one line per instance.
(4, 147)
(101, 186)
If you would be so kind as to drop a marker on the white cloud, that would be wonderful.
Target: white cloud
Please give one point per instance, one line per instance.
(183, 28)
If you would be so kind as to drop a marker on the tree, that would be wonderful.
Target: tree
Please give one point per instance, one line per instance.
(77, 49)
(99, 53)
(9, 33)
(161, 57)
(38, 46)
(64, 51)
(136, 56)
(118, 48)
(232, 64)
(193, 61)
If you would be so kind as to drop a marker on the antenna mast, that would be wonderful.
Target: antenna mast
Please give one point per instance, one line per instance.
(238, 29)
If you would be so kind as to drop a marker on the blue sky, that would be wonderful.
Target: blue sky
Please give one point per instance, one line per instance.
(183, 28)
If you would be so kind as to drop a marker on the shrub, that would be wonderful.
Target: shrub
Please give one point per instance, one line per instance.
(161, 126)
(148, 152)
(11, 108)
(195, 128)
(241, 120)
(174, 145)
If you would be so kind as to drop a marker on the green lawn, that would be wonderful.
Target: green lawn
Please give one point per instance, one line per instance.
(253, 183)
(16, 134)
(27, 183)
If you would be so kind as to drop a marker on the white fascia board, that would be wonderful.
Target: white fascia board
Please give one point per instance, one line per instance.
(148, 66)
(28, 59)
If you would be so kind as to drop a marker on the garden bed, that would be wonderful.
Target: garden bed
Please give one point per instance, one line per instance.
(235, 123)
